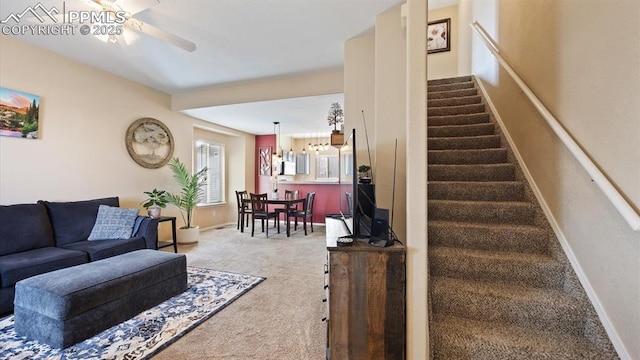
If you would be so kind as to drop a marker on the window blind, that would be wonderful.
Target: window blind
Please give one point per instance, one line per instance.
(211, 155)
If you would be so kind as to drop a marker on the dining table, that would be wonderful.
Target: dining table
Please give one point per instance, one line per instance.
(287, 204)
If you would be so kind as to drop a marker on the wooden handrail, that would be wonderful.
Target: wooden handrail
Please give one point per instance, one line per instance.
(619, 202)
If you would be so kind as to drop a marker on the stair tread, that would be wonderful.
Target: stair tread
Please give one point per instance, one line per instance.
(504, 267)
(491, 226)
(523, 238)
(531, 295)
(450, 80)
(439, 88)
(498, 149)
(456, 110)
(454, 116)
(483, 202)
(504, 164)
(495, 255)
(476, 339)
(479, 183)
(464, 137)
(512, 303)
(455, 100)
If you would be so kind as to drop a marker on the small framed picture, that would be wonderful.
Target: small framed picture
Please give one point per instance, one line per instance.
(439, 36)
(264, 161)
(19, 114)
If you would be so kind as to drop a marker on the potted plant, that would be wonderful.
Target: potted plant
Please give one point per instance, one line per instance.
(335, 117)
(187, 199)
(363, 171)
(155, 202)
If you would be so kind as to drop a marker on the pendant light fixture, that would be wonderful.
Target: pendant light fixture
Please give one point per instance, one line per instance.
(277, 154)
(290, 146)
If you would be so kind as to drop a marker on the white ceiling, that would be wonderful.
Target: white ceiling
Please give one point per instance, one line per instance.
(237, 41)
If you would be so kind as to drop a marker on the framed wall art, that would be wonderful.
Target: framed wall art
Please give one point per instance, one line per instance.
(19, 114)
(264, 161)
(439, 36)
(149, 143)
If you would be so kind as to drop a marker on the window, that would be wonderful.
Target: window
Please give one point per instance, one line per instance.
(211, 155)
(327, 167)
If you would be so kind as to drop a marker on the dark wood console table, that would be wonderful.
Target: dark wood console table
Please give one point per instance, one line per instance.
(366, 302)
(163, 244)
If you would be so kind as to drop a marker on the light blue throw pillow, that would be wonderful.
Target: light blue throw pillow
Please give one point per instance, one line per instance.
(113, 223)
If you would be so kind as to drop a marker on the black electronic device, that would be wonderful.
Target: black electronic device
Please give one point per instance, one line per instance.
(380, 230)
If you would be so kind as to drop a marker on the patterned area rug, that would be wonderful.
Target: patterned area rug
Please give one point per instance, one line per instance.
(147, 333)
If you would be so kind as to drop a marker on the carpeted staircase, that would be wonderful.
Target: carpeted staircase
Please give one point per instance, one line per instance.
(500, 285)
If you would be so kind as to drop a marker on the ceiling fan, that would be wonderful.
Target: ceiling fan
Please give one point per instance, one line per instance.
(127, 9)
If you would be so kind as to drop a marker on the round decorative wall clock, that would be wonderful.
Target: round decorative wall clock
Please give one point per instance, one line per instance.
(149, 143)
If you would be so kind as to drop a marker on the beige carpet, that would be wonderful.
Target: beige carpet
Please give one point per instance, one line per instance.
(281, 317)
(500, 286)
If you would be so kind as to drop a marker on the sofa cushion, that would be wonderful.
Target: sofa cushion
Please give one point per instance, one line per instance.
(113, 223)
(18, 266)
(98, 250)
(24, 227)
(73, 221)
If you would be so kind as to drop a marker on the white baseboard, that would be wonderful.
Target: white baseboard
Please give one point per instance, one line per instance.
(602, 314)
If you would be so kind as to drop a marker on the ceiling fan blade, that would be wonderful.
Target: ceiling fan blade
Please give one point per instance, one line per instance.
(94, 4)
(135, 6)
(161, 34)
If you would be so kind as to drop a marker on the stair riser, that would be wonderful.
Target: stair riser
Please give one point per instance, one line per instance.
(461, 130)
(456, 110)
(451, 94)
(542, 274)
(476, 191)
(520, 312)
(482, 212)
(458, 119)
(473, 142)
(496, 172)
(524, 240)
(466, 100)
(451, 87)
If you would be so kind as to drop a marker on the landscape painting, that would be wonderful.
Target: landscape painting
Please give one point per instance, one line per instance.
(19, 114)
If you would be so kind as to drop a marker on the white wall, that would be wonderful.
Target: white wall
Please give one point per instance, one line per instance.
(375, 82)
(465, 16)
(416, 173)
(84, 115)
(590, 81)
(390, 120)
(359, 93)
(445, 64)
(385, 75)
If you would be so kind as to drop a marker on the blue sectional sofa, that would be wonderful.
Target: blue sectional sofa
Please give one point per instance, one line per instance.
(46, 236)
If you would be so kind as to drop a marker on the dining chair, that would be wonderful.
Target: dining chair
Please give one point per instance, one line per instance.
(244, 209)
(289, 195)
(306, 213)
(260, 210)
